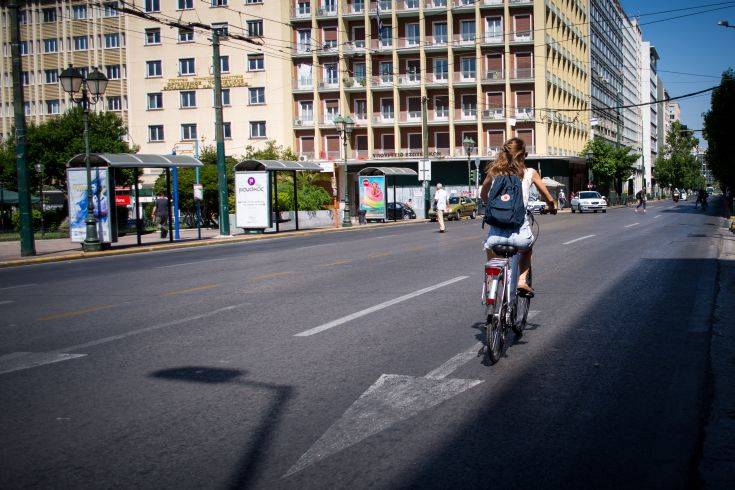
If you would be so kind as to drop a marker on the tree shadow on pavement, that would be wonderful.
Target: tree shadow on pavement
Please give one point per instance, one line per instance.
(251, 461)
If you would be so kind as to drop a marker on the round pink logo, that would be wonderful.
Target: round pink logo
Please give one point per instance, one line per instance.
(251, 180)
(505, 197)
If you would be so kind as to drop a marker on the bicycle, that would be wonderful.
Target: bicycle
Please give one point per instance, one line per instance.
(505, 307)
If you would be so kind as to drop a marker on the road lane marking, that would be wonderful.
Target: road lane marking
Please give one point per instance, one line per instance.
(381, 306)
(182, 264)
(26, 360)
(6, 302)
(632, 224)
(463, 358)
(19, 286)
(190, 290)
(70, 314)
(271, 276)
(657, 216)
(417, 248)
(152, 328)
(578, 239)
(379, 255)
(336, 262)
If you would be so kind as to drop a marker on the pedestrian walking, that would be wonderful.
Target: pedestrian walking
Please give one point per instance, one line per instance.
(160, 213)
(562, 199)
(440, 205)
(641, 196)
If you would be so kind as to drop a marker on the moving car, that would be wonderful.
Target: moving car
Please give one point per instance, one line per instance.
(589, 201)
(458, 207)
(684, 195)
(537, 206)
(399, 210)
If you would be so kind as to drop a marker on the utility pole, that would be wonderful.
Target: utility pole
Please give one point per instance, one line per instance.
(27, 245)
(224, 214)
(425, 150)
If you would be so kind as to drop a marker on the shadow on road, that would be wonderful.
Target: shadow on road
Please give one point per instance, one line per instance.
(251, 462)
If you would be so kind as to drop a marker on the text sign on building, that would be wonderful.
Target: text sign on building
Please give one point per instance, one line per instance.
(193, 83)
(252, 200)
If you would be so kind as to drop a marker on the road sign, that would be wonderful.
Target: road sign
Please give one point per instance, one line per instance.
(198, 192)
(327, 167)
(424, 169)
(184, 149)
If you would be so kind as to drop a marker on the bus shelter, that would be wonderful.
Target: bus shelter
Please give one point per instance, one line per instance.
(372, 184)
(256, 192)
(103, 166)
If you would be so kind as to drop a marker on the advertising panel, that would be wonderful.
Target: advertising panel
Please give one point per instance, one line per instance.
(372, 196)
(77, 185)
(252, 200)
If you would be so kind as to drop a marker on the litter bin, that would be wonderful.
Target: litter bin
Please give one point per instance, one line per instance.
(361, 216)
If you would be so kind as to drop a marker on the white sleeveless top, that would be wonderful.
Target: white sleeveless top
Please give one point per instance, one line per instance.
(526, 183)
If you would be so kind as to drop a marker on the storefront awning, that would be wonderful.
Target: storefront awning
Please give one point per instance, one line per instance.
(272, 165)
(387, 171)
(132, 160)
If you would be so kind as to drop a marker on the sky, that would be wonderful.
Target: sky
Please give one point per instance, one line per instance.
(692, 44)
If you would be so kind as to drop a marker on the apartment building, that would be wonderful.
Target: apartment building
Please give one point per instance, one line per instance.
(171, 74)
(53, 35)
(607, 21)
(632, 69)
(489, 70)
(649, 112)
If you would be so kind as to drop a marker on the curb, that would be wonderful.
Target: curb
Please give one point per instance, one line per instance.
(200, 243)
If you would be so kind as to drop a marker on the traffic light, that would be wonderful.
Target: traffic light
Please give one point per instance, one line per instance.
(473, 175)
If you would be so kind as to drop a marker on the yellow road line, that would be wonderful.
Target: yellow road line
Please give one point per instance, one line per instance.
(190, 290)
(271, 276)
(417, 248)
(337, 262)
(69, 314)
(379, 255)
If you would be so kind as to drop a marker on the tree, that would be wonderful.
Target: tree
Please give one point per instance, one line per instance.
(678, 167)
(719, 130)
(610, 164)
(54, 142)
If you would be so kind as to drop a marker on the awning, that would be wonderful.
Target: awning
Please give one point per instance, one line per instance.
(132, 160)
(387, 171)
(272, 165)
(549, 182)
(11, 197)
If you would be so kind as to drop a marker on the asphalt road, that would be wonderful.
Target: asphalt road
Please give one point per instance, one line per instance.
(348, 360)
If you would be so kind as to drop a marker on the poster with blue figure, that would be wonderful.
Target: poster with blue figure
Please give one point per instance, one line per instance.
(77, 186)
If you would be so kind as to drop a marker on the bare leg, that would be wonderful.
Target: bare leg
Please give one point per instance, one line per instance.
(524, 263)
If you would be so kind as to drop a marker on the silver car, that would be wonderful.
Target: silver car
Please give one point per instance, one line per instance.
(589, 201)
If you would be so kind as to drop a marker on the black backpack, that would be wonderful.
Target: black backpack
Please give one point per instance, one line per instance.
(505, 208)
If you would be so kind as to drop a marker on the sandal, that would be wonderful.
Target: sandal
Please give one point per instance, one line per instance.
(525, 290)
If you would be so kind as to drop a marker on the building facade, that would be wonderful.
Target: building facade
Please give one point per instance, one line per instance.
(649, 112)
(485, 68)
(54, 34)
(607, 79)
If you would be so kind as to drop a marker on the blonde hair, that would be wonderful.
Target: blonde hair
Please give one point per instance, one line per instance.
(511, 159)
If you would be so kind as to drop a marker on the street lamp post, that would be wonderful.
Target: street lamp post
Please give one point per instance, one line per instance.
(469, 145)
(345, 126)
(92, 88)
(39, 169)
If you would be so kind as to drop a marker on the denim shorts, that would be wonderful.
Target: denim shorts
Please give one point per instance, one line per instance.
(521, 237)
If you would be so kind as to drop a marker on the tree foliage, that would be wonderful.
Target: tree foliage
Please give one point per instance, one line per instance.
(610, 164)
(677, 167)
(54, 142)
(719, 130)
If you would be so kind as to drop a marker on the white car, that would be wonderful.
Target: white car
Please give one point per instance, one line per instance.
(537, 206)
(684, 196)
(589, 201)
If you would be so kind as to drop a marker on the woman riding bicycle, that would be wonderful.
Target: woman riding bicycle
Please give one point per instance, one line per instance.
(511, 161)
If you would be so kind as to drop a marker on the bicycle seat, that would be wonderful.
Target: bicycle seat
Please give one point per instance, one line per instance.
(505, 250)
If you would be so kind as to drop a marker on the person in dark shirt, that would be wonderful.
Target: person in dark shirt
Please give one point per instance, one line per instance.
(641, 196)
(160, 214)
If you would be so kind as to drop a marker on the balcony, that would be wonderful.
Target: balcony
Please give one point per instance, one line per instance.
(303, 49)
(409, 81)
(301, 12)
(492, 76)
(496, 114)
(361, 154)
(356, 46)
(435, 5)
(436, 41)
(438, 79)
(522, 74)
(383, 118)
(360, 118)
(462, 5)
(303, 85)
(354, 8)
(325, 11)
(491, 3)
(381, 44)
(328, 119)
(465, 77)
(406, 43)
(440, 115)
(467, 113)
(407, 7)
(464, 41)
(386, 6)
(524, 113)
(306, 155)
(410, 117)
(492, 38)
(513, 3)
(328, 48)
(522, 37)
(331, 155)
(382, 82)
(329, 85)
(353, 84)
(305, 121)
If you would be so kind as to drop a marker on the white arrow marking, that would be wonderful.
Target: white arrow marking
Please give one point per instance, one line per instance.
(391, 399)
(26, 360)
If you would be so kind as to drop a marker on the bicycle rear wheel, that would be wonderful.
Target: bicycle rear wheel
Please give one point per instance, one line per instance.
(494, 328)
(523, 305)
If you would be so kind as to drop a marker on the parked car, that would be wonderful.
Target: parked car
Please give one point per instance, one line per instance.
(589, 201)
(537, 206)
(458, 207)
(398, 210)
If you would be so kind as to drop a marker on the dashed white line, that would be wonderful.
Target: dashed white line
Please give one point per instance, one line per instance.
(367, 311)
(6, 302)
(18, 286)
(630, 225)
(195, 262)
(579, 239)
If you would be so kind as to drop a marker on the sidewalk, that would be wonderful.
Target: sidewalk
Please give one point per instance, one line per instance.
(61, 249)
(717, 466)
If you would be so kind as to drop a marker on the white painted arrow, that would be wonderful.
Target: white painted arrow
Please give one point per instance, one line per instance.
(391, 399)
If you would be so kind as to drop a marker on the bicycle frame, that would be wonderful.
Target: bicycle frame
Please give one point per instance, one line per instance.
(501, 283)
